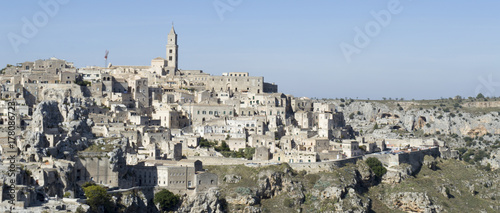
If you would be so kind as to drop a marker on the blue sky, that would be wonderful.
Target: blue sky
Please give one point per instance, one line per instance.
(426, 50)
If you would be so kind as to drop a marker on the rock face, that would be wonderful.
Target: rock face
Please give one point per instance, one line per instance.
(133, 201)
(232, 178)
(367, 177)
(202, 202)
(269, 185)
(494, 160)
(412, 202)
(117, 156)
(353, 202)
(413, 118)
(396, 174)
(67, 123)
(47, 115)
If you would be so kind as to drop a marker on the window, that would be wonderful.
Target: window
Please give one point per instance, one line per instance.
(170, 51)
(170, 58)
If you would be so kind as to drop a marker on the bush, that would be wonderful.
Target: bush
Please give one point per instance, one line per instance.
(82, 83)
(479, 155)
(222, 147)
(376, 166)
(288, 202)
(351, 116)
(205, 143)
(166, 199)
(480, 96)
(466, 156)
(80, 210)
(98, 199)
(67, 194)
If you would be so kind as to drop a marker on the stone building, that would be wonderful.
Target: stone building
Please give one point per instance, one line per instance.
(177, 177)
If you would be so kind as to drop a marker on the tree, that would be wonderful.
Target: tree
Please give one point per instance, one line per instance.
(98, 199)
(249, 152)
(222, 147)
(480, 96)
(166, 199)
(376, 166)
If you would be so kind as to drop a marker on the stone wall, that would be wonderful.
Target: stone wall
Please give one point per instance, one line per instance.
(413, 158)
(323, 166)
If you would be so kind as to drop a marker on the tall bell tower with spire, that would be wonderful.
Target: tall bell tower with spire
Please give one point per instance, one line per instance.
(172, 48)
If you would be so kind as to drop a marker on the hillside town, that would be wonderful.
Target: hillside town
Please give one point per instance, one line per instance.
(157, 126)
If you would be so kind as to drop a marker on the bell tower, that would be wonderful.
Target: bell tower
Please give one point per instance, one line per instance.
(172, 48)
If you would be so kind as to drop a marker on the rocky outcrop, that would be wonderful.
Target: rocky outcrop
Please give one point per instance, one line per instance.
(270, 184)
(117, 157)
(202, 202)
(409, 116)
(243, 196)
(133, 201)
(430, 162)
(66, 121)
(273, 183)
(396, 174)
(366, 176)
(46, 116)
(493, 160)
(412, 202)
(353, 203)
(232, 178)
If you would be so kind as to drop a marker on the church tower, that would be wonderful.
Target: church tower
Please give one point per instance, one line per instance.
(172, 48)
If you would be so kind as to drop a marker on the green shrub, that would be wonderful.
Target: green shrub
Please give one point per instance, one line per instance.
(67, 194)
(288, 202)
(166, 199)
(98, 198)
(376, 166)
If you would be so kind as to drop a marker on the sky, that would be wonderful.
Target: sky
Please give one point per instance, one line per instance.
(324, 49)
